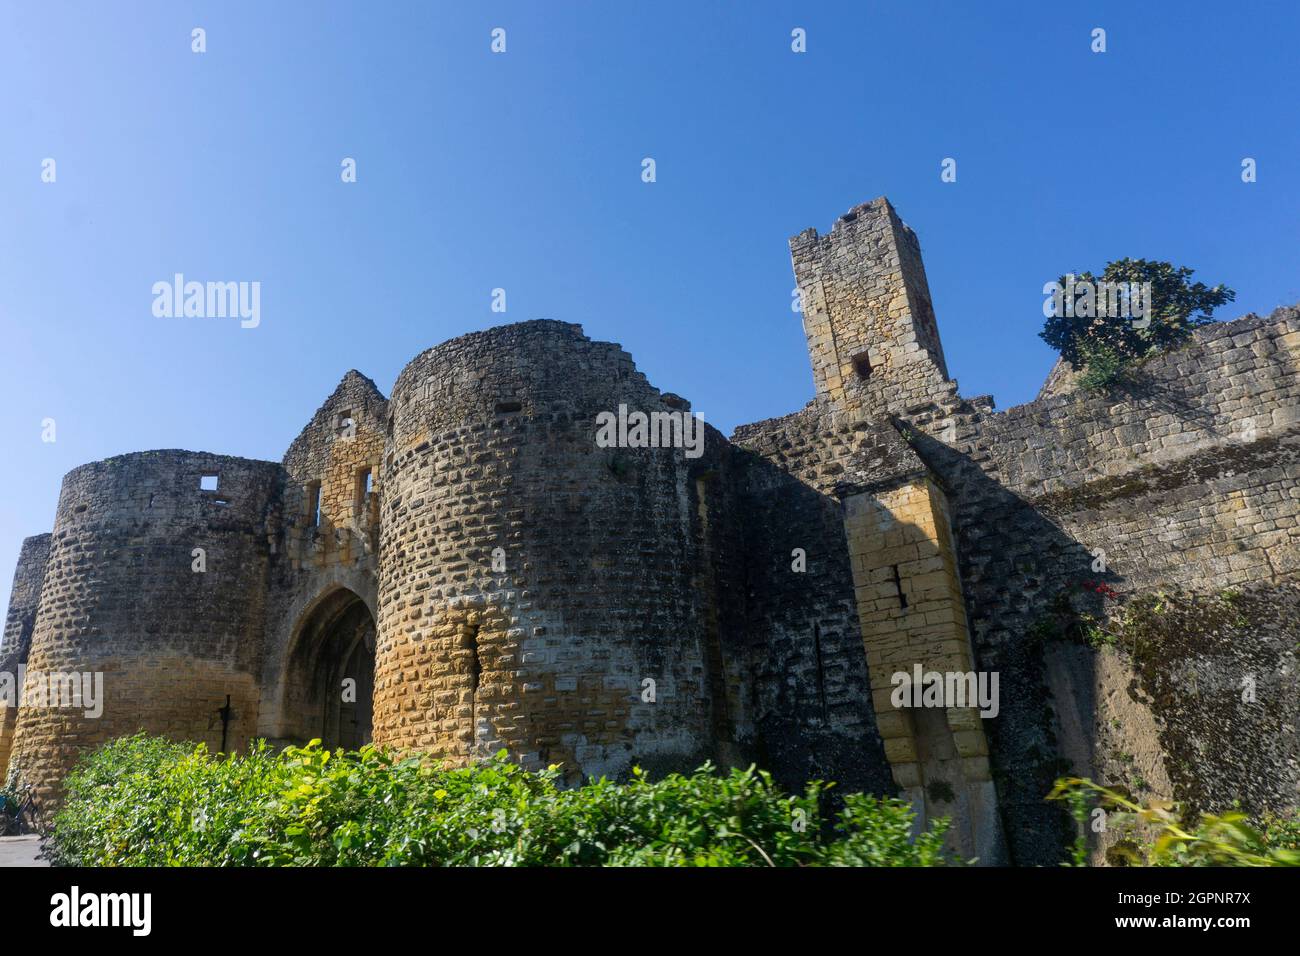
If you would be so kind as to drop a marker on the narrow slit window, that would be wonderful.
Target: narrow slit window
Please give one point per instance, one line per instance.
(313, 503)
(898, 583)
(475, 673)
(475, 664)
(365, 479)
(821, 669)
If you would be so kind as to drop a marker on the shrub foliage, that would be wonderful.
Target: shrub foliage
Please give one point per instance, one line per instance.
(1181, 839)
(1104, 347)
(146, 801)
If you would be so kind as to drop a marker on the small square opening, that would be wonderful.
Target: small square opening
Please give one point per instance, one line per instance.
(209, 482)
(346, 424)
(862, 365)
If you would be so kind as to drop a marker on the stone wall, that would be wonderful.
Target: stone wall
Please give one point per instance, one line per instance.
(913, 616)
(533, 582)
(16, 645)
(334, 467)
(875, 527)
(875, 350)
(122, 599)
(1185, 480)
(812, 699)
(327, 554)
(24, 598)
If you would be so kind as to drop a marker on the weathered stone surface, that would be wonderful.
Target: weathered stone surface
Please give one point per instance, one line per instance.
(477, 573)
(20, 623)
(1190, 480)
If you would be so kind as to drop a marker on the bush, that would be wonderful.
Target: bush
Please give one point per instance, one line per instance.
(145, 801)
(1282, 831)
(1228, 839)
(1103, 367)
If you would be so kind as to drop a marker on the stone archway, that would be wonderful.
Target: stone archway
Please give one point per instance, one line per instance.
(329, 675)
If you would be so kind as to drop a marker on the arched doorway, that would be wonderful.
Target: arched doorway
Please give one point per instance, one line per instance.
(330, 676)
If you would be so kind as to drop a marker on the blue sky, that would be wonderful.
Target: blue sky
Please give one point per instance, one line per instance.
(522, 171)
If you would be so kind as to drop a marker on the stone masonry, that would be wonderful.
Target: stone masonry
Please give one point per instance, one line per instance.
(461, 568)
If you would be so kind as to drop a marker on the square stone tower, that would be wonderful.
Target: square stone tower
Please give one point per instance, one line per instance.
(867, 315)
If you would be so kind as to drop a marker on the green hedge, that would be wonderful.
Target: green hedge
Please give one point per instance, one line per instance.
(146, 801)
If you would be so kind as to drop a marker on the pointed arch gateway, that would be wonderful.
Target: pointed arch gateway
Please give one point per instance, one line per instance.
(329, 677)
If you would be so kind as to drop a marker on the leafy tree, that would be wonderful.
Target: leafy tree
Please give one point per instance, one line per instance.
(1104, 345)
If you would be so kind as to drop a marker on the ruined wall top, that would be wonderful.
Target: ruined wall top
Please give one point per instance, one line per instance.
(355, 401)
(528, 368)
(867, 314)
(1233, 384)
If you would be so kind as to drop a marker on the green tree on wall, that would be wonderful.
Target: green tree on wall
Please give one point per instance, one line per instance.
(1103, 345)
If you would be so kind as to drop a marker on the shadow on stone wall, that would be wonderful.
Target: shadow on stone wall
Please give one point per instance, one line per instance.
(1017, 569)
(810, 693)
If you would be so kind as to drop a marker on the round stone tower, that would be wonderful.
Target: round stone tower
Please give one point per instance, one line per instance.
(151, 612)
(539, 592)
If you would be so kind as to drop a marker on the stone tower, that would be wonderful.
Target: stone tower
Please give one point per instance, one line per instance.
(533, 581)
(871, 331)
(876, 356)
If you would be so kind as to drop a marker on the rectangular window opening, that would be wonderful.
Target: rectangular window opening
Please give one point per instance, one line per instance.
(862, 365)
(209, 482)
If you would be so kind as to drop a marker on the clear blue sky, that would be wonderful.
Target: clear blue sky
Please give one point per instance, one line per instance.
(522, 171)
